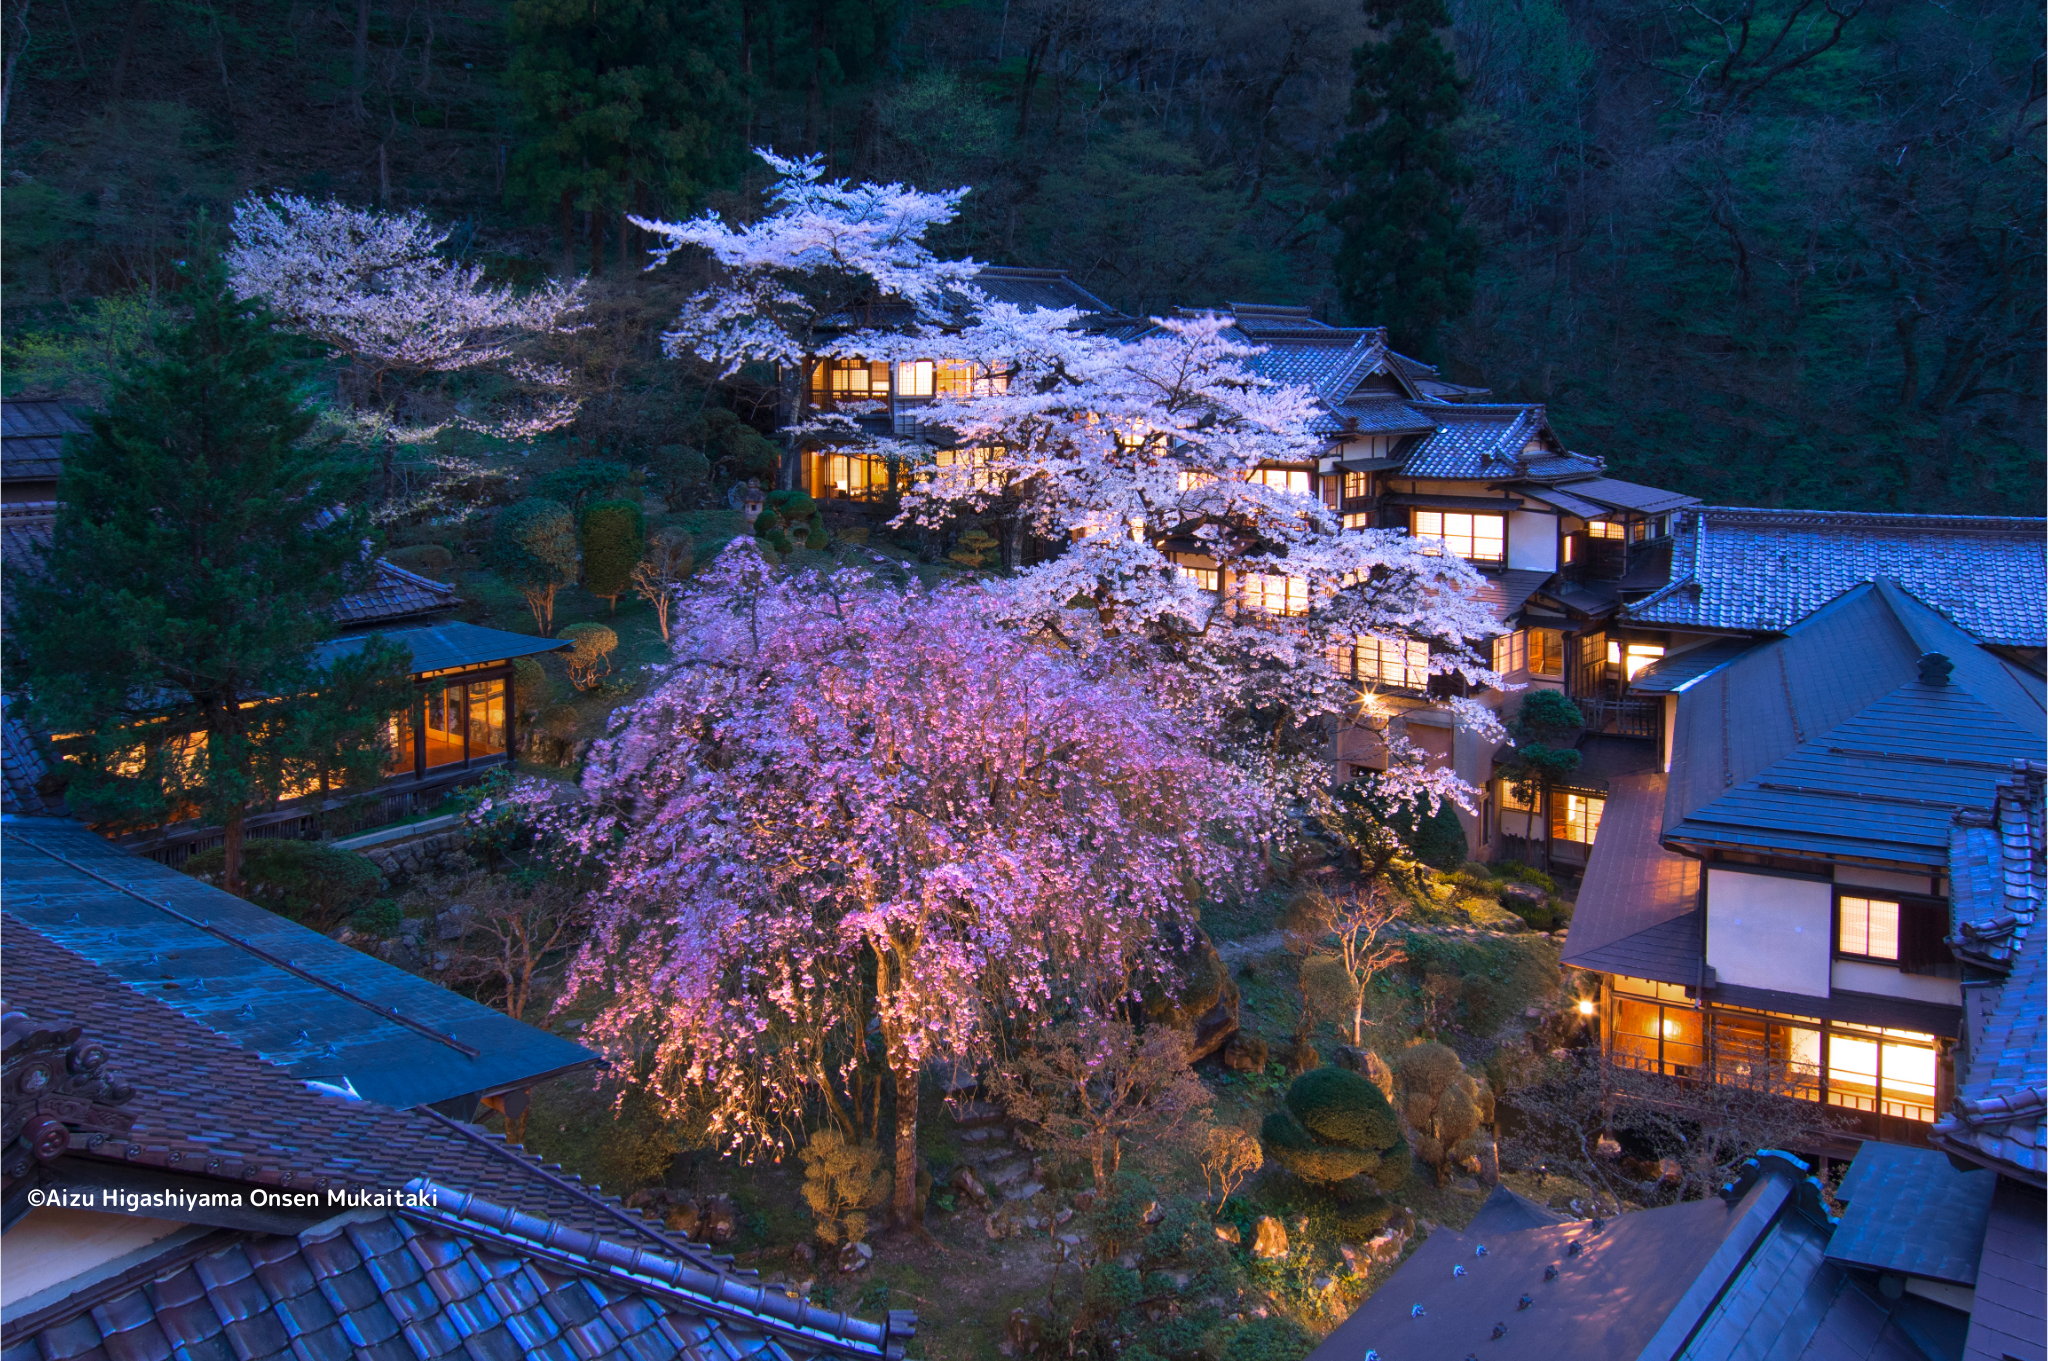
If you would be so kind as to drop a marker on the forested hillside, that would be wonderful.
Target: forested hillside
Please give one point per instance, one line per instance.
(1787, 256)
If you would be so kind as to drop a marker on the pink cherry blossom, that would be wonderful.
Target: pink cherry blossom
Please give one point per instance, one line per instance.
(846, 811)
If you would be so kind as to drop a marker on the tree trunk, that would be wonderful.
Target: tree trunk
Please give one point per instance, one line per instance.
(567, 208)
(908, 1210)
(232, 838)
(15, 45)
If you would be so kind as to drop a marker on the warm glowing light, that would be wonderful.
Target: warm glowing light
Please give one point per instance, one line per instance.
(1671, 1030)
(1585, 1008)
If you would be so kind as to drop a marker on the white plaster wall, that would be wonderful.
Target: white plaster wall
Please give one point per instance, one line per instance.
(1532, 540)
(1881, 980)
(1768, 932)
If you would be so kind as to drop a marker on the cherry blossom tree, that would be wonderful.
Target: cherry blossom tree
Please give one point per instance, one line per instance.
(1239, 602)
(377, 289)
(827, 255)
(1246, 603)
(846, 812)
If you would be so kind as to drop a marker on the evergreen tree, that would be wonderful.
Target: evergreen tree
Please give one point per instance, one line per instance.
(1546, 729)
(1406, 260)
(627, 108)
(614, 541)
(198, 553)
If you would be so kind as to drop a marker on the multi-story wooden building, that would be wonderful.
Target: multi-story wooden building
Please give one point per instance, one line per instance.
(1769, 898)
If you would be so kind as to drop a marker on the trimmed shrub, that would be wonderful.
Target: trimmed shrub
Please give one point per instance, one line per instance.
(559, 721)
(1439, 840)
(533, 547)
(575, 485)
(1443, 1103)
(425, 559)
(380, 918)
(532, 689)
(308, 881)
(592, 658)
(614, 540)
(1334, 1126)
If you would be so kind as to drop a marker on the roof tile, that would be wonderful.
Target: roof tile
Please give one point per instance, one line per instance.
(1750, 570)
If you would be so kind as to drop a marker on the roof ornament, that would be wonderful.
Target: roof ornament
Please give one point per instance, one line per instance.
(57, 1085)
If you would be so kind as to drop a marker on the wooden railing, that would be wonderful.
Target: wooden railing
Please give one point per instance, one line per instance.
(1624, 717)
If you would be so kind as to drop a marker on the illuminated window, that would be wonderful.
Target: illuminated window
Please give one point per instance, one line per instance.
(1569, 540)
(1887, 1072)
(1638, 656)
(1576, 817)
(1638, 530)
(1205, 578)
(1869, 929)
(1475, 538)
(1358, 520)
(1283, 479)
(1191, 480)
(1357, 485)
(1546, 652)
(1517, 799)
(968, 380)
(836, 382)
(1511, 653)
(915, 379)
(854, 477)
(399, 733)
(978, 457)
(1274, 594)
(1604, 529)
(1396, 662)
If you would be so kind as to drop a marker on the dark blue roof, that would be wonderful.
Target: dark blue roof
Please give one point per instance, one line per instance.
(438, 647)
(1743, 1277)
(309, 1004)
(1910, 1211)
(1828, 740)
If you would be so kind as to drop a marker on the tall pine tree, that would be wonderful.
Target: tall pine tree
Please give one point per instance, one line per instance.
(1406, 260)
(172, 639)
(628, 109)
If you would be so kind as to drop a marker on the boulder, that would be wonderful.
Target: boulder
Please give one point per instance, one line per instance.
(1245, 1054)
(682, 1217)
(1299, 1058)
(1199, 997)
(1269, 1239)
(718, 1221)
(1228, 1233)
(967, 1184)
(855, 1257)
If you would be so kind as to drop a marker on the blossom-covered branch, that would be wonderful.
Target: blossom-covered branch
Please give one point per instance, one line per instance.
(843, 806)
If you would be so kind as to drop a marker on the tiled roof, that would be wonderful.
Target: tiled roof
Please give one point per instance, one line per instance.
(2009, 1316)
(1373, 416)
(1751, 570)
(1672, 673)
(1830, 740)
(1618, 495)
(419, 1286)
(22, 771)
(1909, 1211)
(205, 1107)
(1506, 592)
(501, 1258)
(437, 647)
(1038, 289)
(393, 593)
(1739, 1276)
(2002, 1077)
(1483, 442)
(1637, 912)
(32, 438)
(309, 1004)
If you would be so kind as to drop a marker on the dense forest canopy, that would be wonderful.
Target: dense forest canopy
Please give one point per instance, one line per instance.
(1771, 251)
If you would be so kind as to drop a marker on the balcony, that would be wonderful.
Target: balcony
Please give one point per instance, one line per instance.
(1625, 717)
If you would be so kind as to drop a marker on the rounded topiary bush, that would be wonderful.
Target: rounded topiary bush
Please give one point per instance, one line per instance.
(1335, 1125)
(423, 559)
